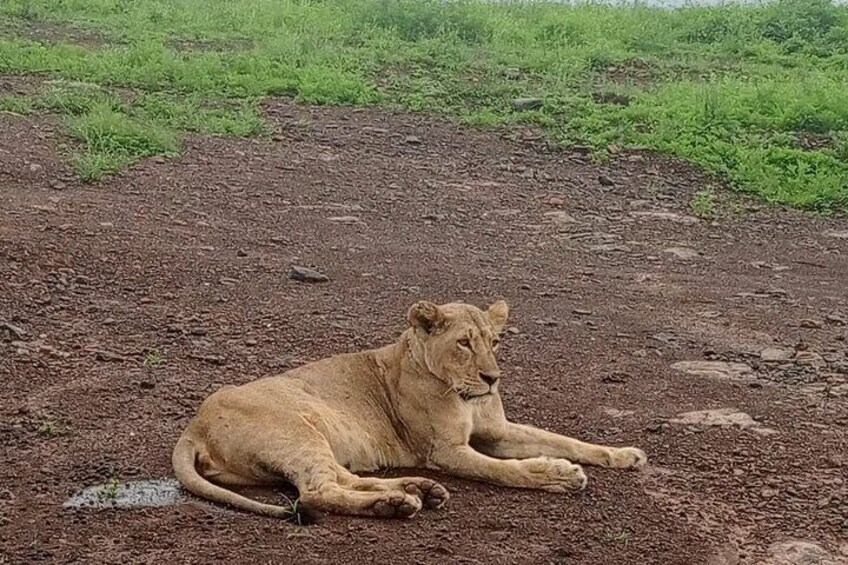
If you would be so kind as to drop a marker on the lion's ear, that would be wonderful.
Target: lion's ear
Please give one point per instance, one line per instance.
(424, 315)
(498, 314)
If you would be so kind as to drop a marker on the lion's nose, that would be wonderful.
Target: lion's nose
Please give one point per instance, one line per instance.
(490, 378)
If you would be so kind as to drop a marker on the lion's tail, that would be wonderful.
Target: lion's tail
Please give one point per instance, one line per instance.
(183, 460)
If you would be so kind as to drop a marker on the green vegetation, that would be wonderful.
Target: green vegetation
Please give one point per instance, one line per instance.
(48, 428)
(755, 94)
(153, 358)
(703, 203)
(110, 490)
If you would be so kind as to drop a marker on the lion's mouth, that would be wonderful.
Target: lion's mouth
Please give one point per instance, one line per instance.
(471, 396)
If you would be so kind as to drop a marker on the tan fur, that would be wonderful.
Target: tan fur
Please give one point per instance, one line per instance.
(420, 402)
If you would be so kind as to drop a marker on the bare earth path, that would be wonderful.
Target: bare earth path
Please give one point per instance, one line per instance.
(611, 281)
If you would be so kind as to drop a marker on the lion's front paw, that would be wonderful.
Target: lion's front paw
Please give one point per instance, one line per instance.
(556, 475)
(627, 458)
(431, 493)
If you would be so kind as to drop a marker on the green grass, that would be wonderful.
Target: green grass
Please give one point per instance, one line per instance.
(754, 94)
(703, 203)
(153, 358)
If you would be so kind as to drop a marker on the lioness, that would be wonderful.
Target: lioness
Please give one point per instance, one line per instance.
(430, 400)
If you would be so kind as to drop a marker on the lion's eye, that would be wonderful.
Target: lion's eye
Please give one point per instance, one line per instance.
(495, 343)
(464, 342)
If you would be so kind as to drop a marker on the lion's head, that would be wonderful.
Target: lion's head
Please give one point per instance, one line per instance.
(458, 344)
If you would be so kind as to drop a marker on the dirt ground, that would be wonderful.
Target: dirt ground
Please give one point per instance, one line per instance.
(123, 304)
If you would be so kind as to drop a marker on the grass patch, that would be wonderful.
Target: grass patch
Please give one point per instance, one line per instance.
(153, 358)
(703, 203)
(738, 90)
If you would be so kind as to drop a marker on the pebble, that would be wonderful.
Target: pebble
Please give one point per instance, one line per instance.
(17, 332)
(107, 356)
(560, 218)
(684, 253)
(305, 274)
(670, 216)
(776, 354)
(412, 140)
(836, 319)
(344, 219)
(604, 180)
(512, 73)
(810, 324)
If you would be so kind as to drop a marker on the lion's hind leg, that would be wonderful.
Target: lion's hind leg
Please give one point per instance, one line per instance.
(327, 486)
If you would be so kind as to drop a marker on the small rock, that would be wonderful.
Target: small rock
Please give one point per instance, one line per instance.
(211, 359)
(560, 218)
(720, 417)
(809, 358)
(811, 324)
(305, 274)
(35, 168)
(146, 385)
(412, 140)
(609, 248)
(555, 201)
(616, 377)
(108, 356)
(604, 180)
(434, 217)
(17, 333)
(616, 413)
(776, 354)
(513, 73)
(715, 369)
(58, 185)
(343, 219)
(836, 319)
(582, 312)
(669, 216)
(683, 253)
(513, 330)
(654, 427)
(769, 492)
(838, 234)
(799, 552)
(241, 253)
(526, 104)
(251, 342)
(198, 331)
(546, 322)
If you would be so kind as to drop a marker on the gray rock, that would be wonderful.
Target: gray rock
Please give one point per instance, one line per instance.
(305, 274)
(668, 216)
(800, 552)
(776, 354)
(721, 417)
(513, 73)
(604, 180)
(526, 104)
(683, 253)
